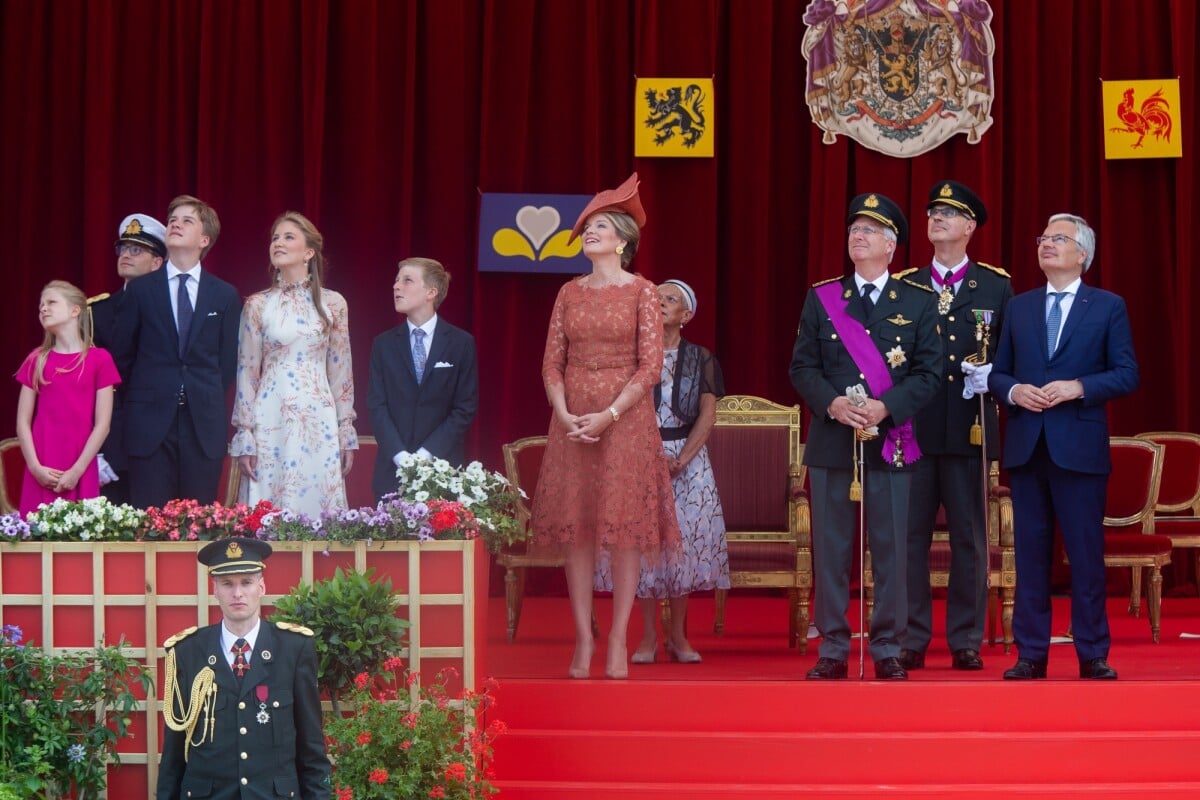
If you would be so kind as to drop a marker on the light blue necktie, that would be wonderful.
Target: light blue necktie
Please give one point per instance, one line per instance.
(1054, 322)
(419, 354)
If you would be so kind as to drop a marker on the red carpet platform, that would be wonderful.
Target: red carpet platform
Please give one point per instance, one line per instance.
(745, 725)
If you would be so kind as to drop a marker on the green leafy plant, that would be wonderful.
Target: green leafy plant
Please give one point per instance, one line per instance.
(354, 622)
(61, 716)
(435, 746)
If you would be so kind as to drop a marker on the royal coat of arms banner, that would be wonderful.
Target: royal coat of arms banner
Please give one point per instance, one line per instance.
(529, 233)
(900, 76)
(673, 117)
(1141, 119)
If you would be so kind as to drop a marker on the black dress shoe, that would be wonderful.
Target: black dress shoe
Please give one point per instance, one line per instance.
(889, 669)
(1025, 669)
(1097, 670)
(966, 659)
(827, 669)
(912, 659)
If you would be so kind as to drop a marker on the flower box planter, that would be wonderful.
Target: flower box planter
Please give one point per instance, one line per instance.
(69, 595)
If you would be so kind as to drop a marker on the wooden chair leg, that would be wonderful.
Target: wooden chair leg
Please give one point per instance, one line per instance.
(993, 610)
(793, 617)
(1007, 600)
(1155, 601)
(804, 618)
(1135, 593)
(719, 621)
(512, 598)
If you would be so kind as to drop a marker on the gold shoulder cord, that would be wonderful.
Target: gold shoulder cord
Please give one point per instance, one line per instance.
(204, 695)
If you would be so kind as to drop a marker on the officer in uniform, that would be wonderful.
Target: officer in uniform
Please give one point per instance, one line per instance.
(141, 248)
(240, 701)
(872, 331)
(971, 297)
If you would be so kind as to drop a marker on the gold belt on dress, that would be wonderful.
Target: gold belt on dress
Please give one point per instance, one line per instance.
(594, 364)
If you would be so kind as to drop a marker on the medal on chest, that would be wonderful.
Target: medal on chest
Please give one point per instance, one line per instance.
(945, 299)
(261, 692)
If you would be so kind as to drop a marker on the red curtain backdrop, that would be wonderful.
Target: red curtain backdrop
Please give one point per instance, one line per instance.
(383, 119)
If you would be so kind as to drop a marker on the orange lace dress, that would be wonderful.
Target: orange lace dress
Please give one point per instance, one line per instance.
(616, 492)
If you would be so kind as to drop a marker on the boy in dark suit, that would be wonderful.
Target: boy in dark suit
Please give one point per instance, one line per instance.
(175, 343)
(423, 389)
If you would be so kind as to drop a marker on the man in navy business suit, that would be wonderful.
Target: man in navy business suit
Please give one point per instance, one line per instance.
(175, 343)
(423, 389)
(1064, 352)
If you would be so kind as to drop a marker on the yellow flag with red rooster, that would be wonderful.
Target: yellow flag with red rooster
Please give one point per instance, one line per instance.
(1141, 119)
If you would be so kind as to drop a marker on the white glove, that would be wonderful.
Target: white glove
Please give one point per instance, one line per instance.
(976, 381)
(106, 471)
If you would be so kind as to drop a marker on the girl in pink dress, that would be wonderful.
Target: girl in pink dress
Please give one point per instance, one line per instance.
(66, 401)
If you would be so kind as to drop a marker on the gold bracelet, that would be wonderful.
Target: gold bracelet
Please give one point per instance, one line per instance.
(613, 410)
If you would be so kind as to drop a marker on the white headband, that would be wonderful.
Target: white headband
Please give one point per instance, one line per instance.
(688, 295)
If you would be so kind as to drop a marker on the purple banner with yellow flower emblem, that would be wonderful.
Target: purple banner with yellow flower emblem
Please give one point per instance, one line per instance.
(529, 233)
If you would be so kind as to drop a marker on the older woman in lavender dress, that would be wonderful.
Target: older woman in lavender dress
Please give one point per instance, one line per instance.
(686, 404)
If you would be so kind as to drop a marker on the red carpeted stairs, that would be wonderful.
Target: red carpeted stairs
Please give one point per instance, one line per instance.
(586, 740)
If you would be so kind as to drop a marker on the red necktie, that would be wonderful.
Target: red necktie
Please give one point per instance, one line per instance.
(240, 664)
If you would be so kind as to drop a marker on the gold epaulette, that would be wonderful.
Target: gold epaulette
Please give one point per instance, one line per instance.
(909, 271)
(294, 628)
(179, 637)
(827, 280)
(996, 270)
(916, 285)
(97, 298)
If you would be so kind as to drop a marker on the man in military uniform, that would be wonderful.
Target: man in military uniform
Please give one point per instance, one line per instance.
(141, 249)
(872, 331)
(240, 701)
(971, 297)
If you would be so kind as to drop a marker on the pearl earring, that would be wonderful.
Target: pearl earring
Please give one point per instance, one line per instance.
(620, 249)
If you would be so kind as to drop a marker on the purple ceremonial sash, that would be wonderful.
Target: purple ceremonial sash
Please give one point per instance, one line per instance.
(869, 360)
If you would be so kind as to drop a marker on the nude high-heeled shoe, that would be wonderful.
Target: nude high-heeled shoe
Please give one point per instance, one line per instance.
(691, 657)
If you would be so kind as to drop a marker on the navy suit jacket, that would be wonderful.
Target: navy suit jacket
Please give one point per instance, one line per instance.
(434, 414)
(146, 350)
(1095, 347)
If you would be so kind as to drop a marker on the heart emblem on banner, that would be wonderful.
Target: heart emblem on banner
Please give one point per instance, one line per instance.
(538, 223)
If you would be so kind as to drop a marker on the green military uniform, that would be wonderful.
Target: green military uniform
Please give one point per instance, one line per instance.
(903, 327)
(951, 473)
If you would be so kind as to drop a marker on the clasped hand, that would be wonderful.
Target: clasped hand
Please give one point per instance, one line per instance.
(1030, 397)
(586, 428)
(871, 413)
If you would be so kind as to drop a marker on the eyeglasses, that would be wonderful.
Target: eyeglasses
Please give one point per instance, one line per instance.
(1057, 239)
(134, 250)
(945, 212)
(865, 230)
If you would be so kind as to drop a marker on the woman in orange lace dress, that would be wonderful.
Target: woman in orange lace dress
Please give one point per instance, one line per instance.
(604, 494)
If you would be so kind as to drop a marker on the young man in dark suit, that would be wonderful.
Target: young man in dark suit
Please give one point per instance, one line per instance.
(175, 344)
(1066, 349)
(423, 389)
(141, 249)
(950, 472)
(241, 703)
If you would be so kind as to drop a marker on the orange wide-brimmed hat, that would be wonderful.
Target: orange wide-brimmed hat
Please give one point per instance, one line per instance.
(624, 198)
